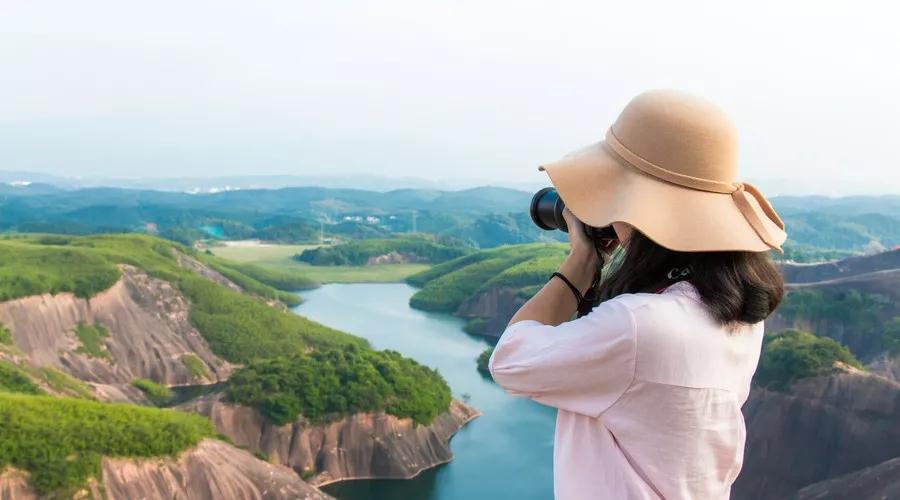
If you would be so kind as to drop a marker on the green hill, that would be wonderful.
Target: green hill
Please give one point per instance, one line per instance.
(792, 354)
(446, 286)
(410, 248)
(61, 440)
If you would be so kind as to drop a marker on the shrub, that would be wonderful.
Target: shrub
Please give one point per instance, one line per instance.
(358, 252)
(61, 441)
(6, 337)
(331, 382)
(792, 354)
(483, 360)
(13, 379)
(195, 366)
(91, 337)
(158, 394)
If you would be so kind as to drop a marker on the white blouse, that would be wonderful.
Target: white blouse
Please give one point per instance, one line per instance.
(649, 389)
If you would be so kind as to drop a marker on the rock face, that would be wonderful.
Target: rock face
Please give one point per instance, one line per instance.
(149, 333)
(821, 428)
(212, 470)
(872, 483)
(852, 266)
(495, 306)
(355, 447)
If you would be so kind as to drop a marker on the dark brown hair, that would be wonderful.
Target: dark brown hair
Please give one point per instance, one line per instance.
(735, 286)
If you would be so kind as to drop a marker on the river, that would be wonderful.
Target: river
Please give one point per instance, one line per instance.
(505, 453)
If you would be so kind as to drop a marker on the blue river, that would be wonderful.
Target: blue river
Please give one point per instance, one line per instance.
(505, 453)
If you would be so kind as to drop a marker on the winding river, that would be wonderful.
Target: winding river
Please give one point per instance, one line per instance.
(505, 453)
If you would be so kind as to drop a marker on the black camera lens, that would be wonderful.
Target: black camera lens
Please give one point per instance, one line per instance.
(547, 213)
(547, 210)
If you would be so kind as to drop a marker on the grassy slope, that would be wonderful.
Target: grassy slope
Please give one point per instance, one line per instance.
(278, 258)
(424, 248)
(238, 327)
(61, 440)
(448, 285)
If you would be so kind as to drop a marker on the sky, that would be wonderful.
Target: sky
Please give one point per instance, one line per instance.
(457, 91)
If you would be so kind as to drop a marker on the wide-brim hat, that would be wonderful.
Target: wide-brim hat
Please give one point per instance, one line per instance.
(668, 168)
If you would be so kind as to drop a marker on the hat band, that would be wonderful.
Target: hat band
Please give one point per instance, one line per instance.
(737, 190)
(665, 174)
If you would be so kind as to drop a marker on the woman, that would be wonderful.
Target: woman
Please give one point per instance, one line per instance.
(649, 384)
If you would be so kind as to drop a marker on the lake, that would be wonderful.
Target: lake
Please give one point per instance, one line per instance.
(505, 453)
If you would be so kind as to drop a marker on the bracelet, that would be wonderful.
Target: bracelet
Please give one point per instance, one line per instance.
(578, 296)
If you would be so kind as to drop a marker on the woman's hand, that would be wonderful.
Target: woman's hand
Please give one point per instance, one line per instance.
(582, 263)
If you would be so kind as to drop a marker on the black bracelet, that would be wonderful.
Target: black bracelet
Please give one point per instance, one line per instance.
(578, 296)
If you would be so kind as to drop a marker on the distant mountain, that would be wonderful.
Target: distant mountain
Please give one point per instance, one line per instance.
(484, 217)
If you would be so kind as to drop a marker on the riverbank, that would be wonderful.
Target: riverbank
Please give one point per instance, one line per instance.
(505, 453)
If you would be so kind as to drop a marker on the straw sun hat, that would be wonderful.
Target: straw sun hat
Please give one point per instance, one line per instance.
(668, 167)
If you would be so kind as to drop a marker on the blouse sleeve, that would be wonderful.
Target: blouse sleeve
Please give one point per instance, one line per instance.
(582, 366)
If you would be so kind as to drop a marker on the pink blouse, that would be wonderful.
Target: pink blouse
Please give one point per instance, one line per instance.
(649, 389)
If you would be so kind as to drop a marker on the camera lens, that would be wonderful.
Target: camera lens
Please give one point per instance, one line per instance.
(547, 210)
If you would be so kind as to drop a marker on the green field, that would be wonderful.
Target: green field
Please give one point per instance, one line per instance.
(279, 258)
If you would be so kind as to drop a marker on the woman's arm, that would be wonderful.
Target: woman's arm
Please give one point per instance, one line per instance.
(555, 303)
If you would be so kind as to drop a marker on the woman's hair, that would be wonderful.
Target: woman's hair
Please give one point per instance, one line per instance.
(735, 286)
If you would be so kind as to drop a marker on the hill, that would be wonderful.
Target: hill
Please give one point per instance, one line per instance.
(123, 317)
(482, 217)
(397, 250)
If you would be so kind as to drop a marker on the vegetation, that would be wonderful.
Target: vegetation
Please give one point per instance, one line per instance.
(195, 366)
(278, 260)
(285, 279)
(483, 360)
(52, 269)
(6, 337)
(61, 383)
(448, 285)
(13, 379)
(854, 318)
(793, 354)
(238, 327)
(60, 441)
(331, 382)
(158, 394)
(417, 248)
(91, 338)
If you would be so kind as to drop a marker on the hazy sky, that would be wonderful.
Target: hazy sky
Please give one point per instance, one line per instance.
(442, 90)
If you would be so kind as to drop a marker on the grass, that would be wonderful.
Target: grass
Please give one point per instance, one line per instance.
(158, 394)
(332, 382)
(259, 253)
(5, 336)
(195, 366)
(61, 383)
(238, 327)
(60, 441)
(13, 379)
(413, 248)
(91, 337)
(279, 259)
(446, 286)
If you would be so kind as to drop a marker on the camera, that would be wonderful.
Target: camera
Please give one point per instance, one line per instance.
(547, 213)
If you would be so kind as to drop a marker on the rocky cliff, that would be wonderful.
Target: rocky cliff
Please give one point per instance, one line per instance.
(490, 311)
(879, 482)
(820, 429)
(212, 470)
(355, 447)
(149, 335)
